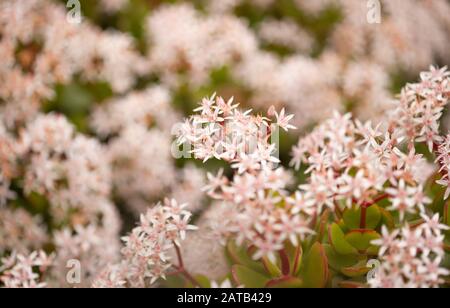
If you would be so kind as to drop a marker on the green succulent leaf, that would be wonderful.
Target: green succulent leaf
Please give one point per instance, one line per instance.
(295, 254)
(361, 239)
(239, 255)
(339, 261)
(352, 217)
(322, 225)
(348, 284)
(315, 269)
(176, 281)
(357, 270)
(203, 281)
(285, 282)
(272, 269)
(387, 219)
(244, 276)
(337, 239)
(343, 226)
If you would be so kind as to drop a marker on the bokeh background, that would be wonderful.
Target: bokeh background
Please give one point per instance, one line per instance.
(134, 68)
(312, 57)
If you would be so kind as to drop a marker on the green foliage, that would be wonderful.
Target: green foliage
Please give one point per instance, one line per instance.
(338, 261)
(244, 276)
(361, 239)
(352, 217)
(315, 268)
(240, 256)
(338, 241)
(285, 282)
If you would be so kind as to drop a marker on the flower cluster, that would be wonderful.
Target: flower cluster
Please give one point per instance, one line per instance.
(65, 167)
(195, 44)
(87, 117)
(352, 162)
(147, 247)
(24, 271)
(444, 161)
(64, 173)
(20, 231)
(262, 214)
(355, 64)
(421, 107)
(138, 129)
(411, 256)
(40, 48)
(223, 131)
(285, 33)
(7, 165)
(113, 6)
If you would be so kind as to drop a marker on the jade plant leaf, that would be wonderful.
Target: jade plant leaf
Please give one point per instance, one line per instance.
(321, 226)
(203, 281)
(272, 269)
(338, 261)
(351, 285)
(239, 255)
(244, 276)
(285, 282)
(352, 217)
(356, 270)
(295, 254)
(361, 239)
(315, 268)
(176, 281)
(337, 239)
(386, 218)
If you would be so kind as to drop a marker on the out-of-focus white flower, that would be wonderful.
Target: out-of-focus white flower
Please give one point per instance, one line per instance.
(18, 271)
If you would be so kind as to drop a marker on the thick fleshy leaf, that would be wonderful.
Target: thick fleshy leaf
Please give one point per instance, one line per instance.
(337, 239)
(447, 245)
(352, 217)
(175, 281)
(244, 276)
(203, 281)
(322, 225)
(357, 270)
(285, 282)
(387, 219)
(295, 254)
(239, 255)
(339, 261)
(343, 226)
(272, 269)
(315, 267)
(361, 239)
(351, 285)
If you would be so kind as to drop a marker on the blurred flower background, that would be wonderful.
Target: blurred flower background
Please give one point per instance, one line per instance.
(87, 110)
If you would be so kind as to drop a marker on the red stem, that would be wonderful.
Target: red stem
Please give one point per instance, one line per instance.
(374, 201)
(180, 259)
(285, 266)
(181, 270)
(365, 206)
(362, 223)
